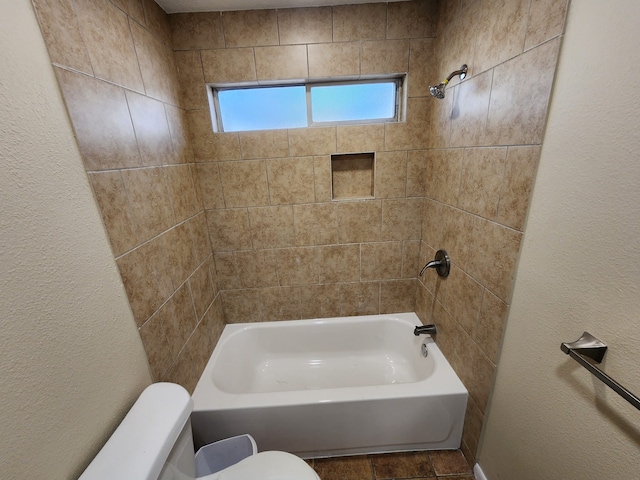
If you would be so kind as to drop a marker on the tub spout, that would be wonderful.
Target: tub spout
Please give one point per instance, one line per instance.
(431, 329)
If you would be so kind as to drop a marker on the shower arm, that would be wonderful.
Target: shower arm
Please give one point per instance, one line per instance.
(438, 90)
(462, 72)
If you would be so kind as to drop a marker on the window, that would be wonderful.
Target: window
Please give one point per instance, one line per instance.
(238, 109)
(263, 108)
(355, 102)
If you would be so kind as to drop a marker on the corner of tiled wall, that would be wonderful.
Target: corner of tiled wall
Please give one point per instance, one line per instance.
(484, 144)
(118, 75)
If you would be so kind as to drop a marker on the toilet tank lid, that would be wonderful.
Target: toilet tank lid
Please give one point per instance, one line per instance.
(143, 440)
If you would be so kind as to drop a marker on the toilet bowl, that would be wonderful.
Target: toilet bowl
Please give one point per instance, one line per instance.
(154, 442)
(266, 466)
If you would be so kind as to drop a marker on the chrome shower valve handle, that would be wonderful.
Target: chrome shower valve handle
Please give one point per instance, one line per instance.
(441, 263)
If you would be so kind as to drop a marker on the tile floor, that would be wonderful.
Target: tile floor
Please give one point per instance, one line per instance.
(441, 465)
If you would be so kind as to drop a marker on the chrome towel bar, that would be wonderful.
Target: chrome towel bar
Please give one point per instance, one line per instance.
(589, 346)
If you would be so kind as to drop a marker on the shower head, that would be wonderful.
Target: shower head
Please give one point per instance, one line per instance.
(438, 90)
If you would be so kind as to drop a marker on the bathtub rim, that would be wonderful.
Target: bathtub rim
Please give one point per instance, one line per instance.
(444, 381)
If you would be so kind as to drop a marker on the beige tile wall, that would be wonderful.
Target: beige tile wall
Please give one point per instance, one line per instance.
(189, 211)
(118, 75)
(283, 249)
(484, 144)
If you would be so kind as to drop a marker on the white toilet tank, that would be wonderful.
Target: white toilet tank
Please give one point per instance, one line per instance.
(155, 431)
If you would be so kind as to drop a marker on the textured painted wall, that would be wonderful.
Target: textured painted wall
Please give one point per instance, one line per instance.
(71, 362)
(579, 269)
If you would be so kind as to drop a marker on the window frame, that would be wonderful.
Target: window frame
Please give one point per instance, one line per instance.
(399, 102)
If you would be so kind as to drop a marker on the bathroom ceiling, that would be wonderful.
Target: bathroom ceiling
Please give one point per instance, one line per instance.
(175, 6)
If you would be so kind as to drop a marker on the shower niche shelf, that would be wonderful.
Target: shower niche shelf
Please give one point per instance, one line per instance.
(352, 176)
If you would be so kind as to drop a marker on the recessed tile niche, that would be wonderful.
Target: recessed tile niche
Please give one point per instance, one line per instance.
(352, 176)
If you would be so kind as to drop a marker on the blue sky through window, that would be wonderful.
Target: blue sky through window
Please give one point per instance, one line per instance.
(265, 108)
(364, 101)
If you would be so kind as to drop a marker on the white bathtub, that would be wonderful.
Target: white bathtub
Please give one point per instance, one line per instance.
(327, 387)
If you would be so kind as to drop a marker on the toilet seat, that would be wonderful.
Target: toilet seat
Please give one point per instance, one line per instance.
(267, 466)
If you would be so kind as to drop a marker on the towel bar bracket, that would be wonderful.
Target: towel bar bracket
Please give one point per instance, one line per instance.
(589, 346)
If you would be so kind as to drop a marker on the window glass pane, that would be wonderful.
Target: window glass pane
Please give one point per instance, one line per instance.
(263, 108)
(364, 101)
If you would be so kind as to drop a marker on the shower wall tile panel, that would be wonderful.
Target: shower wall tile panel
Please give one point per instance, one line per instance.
(182, 149)
(228, 65)
(268, 194)
(458, 44)
(250, 28)
(484, 143)
(305, 25)
(109, 41)
(61, 31)
(196, 31)
(280, 63)
(334, 59)
(209, 227)
(312, 141)
(383, 56)
(190, 77)
(422, 66)
(359, 22)
(546, 21)
(119, 78)
(106, 142)
(412, 19)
